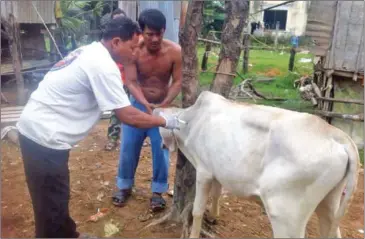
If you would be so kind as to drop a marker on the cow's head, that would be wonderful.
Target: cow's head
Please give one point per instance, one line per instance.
(168, 138)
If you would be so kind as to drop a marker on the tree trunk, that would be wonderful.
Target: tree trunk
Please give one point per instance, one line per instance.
(236, 16)
(184, 188)
(12, 28)
(184, 192)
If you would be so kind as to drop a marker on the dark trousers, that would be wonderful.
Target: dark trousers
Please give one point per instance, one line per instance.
(48, 180)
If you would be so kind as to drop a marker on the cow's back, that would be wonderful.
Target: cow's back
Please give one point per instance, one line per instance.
(228, 139)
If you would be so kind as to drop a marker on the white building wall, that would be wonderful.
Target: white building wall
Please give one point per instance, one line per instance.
(296, 17)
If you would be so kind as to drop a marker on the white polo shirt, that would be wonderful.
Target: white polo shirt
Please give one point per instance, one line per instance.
(70, 99)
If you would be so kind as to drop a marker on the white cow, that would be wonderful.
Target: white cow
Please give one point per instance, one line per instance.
(296, 163)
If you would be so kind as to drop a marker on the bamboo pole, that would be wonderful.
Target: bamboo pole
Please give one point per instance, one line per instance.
(246, 51)
(292, 58)
(328, 114)
(208, 48)
(358, 102)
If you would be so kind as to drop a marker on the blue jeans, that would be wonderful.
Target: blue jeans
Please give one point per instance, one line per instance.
(130, 149)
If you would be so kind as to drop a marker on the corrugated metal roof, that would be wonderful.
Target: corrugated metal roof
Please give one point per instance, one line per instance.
(319, 25)
(337, 27)
(25, 13)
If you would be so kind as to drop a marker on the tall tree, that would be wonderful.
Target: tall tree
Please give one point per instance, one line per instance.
(235, 20)
(184, 191)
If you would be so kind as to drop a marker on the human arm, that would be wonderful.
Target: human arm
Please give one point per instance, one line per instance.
(134, 117)
(110, 95)
(130, 71)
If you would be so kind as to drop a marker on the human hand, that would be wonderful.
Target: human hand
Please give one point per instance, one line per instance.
(172, 121)
(149, 108)
(155, 106)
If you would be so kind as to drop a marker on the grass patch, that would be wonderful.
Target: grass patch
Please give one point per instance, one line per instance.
(266, 64)
(261, 63)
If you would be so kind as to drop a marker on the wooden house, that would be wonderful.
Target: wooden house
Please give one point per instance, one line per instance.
(338, 51)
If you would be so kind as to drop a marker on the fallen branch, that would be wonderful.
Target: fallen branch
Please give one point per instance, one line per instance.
(222, 73)
(357, 117)
(359, 102)
(248, 82)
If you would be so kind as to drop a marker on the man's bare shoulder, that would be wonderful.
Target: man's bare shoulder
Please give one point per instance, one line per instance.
(172, 45)
(172, 48)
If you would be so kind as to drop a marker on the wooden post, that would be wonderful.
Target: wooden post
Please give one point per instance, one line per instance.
(292, 58)
(246, 51)
(14, 44)
(208, 47)
(276, 34)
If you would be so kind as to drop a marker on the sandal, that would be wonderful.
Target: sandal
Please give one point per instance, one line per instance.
(121, 196)
(157, 203)
(110, 145)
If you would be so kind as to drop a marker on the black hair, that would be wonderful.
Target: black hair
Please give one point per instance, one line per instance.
(153, 19)
(117, 12)
(122, 27)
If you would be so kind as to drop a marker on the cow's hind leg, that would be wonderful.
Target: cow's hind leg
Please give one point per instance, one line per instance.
(203, 186)
(288, 214)
(215, 192)
(326, 212)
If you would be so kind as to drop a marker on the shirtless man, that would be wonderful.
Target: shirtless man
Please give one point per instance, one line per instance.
(147, 79)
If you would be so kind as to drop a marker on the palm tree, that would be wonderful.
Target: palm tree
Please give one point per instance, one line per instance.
(75, 20)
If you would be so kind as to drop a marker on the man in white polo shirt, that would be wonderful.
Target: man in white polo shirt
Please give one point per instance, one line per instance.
(67, 104)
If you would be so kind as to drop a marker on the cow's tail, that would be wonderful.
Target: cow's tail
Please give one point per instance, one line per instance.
(350, 178)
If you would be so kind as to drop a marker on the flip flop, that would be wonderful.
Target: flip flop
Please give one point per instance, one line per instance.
(121, 196)
(157, 203)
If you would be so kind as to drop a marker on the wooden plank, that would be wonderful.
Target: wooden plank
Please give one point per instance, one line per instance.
(11, 108)
(11, 120)
(10, 112)
(341, 37)
(10, 116)
(353, 38)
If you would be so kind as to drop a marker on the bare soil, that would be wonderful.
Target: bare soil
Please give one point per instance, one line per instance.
(93, 172)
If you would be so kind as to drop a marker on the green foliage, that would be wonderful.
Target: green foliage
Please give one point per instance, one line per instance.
(213, 16)
(267, 64)
(71, 23)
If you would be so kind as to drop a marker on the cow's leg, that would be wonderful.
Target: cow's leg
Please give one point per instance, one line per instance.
(215, 192)
(326, 212)
(203, 185)
(288, 215)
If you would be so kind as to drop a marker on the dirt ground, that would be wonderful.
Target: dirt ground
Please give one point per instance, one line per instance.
(93, 173)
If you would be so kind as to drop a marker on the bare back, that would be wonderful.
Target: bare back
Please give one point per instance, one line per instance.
(154, 70)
